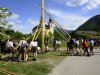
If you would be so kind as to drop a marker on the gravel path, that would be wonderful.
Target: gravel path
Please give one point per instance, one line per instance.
(79, 65)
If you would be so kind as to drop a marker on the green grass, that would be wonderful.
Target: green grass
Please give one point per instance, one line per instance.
(42, 66)
(29, 69)
(63, 45)
(2, 74)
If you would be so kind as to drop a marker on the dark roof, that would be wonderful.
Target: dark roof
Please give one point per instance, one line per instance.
(46, 27)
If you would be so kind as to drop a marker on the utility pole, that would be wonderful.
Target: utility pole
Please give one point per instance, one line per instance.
(42, 23)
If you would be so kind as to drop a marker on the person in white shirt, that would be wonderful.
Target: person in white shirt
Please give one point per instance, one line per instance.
(77, 42)
(34, 45)
(91, 46)
(9, 48)
(23, 49)
(58, 44)
(23, 43)
(9, 44)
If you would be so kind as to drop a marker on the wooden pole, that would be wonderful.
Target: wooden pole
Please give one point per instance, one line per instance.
(42, 23)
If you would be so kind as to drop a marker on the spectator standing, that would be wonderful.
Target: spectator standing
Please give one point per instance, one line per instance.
(91, 46)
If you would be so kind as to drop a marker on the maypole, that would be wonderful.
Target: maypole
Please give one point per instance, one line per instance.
(42, 23)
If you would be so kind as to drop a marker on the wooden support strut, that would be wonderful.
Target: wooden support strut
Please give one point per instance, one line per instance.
(38, 34)
(6, 72)
(7, 63)
(35, 32)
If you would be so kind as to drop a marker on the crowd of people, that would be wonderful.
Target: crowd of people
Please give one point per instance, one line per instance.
(21, 49)
(74, 47)
(80, 47)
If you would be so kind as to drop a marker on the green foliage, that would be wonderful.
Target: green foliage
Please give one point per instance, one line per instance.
(5, 27)
(19, 35)
(57, 36)
(3, 22)
(3, 15)
(75, 35)
(98, 34)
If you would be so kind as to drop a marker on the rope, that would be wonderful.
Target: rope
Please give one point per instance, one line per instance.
(63, 33)
(57, 24)
(59, 33)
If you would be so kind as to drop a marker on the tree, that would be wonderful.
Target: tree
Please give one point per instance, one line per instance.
(57, 36)
(4, 14)
(75, 35)
(19, 35)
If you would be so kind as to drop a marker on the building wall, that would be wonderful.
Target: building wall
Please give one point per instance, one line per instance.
(49, 32)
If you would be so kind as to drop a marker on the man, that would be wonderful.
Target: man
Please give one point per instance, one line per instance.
(71, 46)
(85, 47)
(58, 44)
(9, 48)
(91, 46)
(23, 45)
(55, 44)
(33, 46)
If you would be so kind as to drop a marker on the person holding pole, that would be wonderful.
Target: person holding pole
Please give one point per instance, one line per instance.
(9, 48)
(33, 46)
(23, 49)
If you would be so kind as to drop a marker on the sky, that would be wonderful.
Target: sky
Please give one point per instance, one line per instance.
(70, 14)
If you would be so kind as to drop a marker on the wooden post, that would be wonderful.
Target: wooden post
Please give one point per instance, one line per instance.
(42, 23)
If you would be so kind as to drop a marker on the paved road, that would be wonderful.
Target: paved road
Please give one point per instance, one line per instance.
(79, 65)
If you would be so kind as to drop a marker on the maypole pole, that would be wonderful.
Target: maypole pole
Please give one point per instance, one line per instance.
(42, 23)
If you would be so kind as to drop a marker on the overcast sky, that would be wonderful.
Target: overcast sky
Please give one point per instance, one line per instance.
(69, 13)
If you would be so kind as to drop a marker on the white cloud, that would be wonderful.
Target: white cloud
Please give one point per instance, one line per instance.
(92, 4)
(85, 4)
(74, 3)
(68, 20)
(59, 1)
(14, 16)
(32, 21)
(18, 25)
(27, 26)
(22, 28)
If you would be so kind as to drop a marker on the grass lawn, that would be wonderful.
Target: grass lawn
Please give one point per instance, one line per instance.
(42, 66)
(63, 44)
